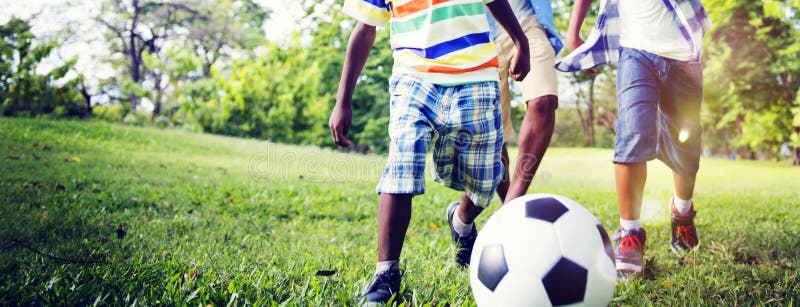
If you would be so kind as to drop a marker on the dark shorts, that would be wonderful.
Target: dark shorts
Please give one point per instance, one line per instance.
(659, 110)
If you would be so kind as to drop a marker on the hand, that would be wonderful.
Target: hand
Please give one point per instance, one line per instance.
(339, 123)
(574, 43)
(521, 64)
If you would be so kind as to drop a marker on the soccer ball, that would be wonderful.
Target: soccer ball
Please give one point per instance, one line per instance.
(542, 250)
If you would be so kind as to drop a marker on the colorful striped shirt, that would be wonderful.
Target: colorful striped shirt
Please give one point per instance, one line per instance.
(444, 42)
(602, 45)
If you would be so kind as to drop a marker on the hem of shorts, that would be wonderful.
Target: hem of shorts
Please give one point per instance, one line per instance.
(631, 160)
(537, 95)
(379, 190)
(469, 194)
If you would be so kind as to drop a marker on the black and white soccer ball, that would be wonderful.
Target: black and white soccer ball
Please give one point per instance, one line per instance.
(542, 250)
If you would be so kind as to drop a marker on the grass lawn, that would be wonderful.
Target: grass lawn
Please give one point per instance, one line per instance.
(100, 213)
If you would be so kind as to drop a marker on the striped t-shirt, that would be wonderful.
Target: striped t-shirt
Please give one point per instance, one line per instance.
(445, 42)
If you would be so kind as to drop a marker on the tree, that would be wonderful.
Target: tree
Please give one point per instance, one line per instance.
(751, 75)
(230, 25)
(330, 30)
(140, 27)
(23, 92)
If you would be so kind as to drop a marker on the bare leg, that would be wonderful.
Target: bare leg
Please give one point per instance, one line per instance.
(394, 215)
(467, 210)
(534, 138)
(502, 187)
(630, 178)
(684, 185)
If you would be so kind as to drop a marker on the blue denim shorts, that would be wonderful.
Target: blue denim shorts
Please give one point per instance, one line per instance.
(463, 124)
(659, 111)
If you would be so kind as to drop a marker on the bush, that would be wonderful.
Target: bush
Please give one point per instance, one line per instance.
(135, 118)
(112, 113)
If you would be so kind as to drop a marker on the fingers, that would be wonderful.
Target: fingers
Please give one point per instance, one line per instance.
(334, 134)
(517, 76)
(339, 135)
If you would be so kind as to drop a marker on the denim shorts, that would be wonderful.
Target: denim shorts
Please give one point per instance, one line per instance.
(463, 122)
(659, 111)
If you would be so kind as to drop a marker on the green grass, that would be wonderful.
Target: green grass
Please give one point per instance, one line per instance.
(100, 213)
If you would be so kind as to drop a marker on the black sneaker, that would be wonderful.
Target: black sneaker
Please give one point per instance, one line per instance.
(464, 244)
(383, 289)
(684, 234)
(629, 252)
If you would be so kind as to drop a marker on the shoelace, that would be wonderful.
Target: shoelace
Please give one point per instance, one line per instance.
(386, 277)
(684, 233)
(630, 242)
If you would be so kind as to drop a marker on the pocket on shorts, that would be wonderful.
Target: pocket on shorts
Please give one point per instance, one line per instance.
(693, 73)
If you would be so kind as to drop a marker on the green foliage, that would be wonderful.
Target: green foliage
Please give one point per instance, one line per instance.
(112, 113)
(95, 213)
(330, 35)
(273, 97)
(25, 93)
(751, 74)
(795, 138)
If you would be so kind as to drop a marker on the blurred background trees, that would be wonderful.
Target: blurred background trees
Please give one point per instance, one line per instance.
(209, 66)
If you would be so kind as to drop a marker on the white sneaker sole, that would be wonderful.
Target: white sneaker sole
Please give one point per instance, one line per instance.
(626, 271)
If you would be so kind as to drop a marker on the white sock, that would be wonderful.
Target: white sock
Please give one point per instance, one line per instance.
(630, 224)
(463, 229)
(383, 266)
(682, 206)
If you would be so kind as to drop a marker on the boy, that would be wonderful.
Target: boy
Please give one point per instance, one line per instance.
(539, 90)
(659, 91)
(443, 90)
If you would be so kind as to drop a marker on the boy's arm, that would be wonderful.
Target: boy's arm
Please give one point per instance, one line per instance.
(361, 40)
(579, 10)
(502, 12)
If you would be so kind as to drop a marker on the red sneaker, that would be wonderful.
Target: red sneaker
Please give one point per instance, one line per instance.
(630, 252)
(684, 234)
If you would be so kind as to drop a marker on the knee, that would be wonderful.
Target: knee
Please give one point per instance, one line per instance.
(544, 106)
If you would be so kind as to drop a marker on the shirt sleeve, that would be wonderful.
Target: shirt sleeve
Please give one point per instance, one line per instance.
(371, 12)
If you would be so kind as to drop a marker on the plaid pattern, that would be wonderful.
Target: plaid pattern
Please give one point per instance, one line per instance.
(602, 46)
(463, 122)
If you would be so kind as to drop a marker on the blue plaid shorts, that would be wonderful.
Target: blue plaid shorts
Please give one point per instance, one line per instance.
(464, 124)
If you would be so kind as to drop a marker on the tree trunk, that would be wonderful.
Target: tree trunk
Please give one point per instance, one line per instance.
(88, 98)
(796, 161)
(159, 94)
(136, 61)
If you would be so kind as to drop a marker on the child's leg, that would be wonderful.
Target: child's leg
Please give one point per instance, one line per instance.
(630, 180)
(467, 156)
(534, 138)
(410, 129)
(679, 146)
(502, 187)
(684, 185)
(394, 216)
(540, 93)
(467, 210)
(637, 136)
(637, 103)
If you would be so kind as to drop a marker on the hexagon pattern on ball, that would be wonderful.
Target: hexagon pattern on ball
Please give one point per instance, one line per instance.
(565, 283)
(493, 266)
(546, 209)
(542, 250)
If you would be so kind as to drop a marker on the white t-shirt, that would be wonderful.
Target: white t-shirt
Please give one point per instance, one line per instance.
(522, 10)
(648, 25)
